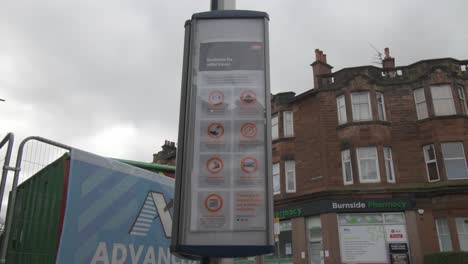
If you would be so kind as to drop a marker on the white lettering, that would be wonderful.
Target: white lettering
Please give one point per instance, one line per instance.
(115, 253)
(101, 254)
(135, 257)
(149, 258)
(164, 256)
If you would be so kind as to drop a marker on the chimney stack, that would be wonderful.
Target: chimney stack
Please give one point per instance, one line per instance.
(388, 63)
(319, 67)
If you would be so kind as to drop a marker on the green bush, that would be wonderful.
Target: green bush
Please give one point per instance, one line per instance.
(447, 258)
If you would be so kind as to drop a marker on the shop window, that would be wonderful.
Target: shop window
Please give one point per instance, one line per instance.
(381, 106)
(290, 169)
(389, 170)
(284, 245)
(364, 238)
(442, 100)
(368, 164)
(420, 101)
(276, 179)
(314, 234)
(341, 109)
(461, 97)
(432, 169)
(462, 231)
(454, 160)
(361, 106)
(443, 234)
(288, 124)
(347, 167)
(274, 127)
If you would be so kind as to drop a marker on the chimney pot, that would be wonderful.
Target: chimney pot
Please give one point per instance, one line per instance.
(387, 53)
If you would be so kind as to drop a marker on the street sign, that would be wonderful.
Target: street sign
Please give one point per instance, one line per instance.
(224, 204)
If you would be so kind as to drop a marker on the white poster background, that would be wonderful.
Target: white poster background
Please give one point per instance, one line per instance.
(218, 100)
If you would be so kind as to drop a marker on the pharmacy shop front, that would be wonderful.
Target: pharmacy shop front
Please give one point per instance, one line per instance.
(344, 231)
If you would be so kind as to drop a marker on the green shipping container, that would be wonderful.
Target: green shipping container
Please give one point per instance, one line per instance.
(38, 213)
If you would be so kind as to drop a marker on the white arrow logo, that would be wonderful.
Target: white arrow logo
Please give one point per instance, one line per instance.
(155, 206)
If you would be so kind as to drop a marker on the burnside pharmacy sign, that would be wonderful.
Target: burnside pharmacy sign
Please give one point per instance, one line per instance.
(223, 202)
(347, 206)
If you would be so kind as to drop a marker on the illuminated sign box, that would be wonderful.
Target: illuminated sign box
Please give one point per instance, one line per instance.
(224, 204)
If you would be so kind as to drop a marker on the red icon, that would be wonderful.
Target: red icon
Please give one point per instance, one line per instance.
(249, 130)
(214, 202)
(249, 165)
(214, 165)
(248, 97)
(215, 97)
(215, 130)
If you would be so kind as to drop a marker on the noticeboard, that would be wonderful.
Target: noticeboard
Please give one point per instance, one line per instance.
(224, 204)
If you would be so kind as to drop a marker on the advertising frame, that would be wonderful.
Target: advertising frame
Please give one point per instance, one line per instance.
(182, 221)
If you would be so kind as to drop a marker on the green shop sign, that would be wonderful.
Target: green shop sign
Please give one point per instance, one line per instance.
(346, 206)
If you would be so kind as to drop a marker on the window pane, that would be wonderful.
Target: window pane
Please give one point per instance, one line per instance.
(346, 165)
(429, 153)
(462, 230)
(445, 241)
(432, 170)
(442, 100)
(360, 105)
(419, 95)
(453, 150)
(454, 160)
(290, 168)
(380, 106)
(341, 109)
(276, 178)
(288, 124)
(396, 218)
(274, 127)
(368, 164)
(422, 110)
(456, 169)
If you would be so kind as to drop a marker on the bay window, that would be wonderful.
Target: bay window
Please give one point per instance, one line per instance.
(288, 124)
(389, 164)
(274, 127)
(276, 179)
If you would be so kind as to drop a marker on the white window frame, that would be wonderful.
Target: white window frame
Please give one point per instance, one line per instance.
(459, 158)
(460, 233)
(376, 164)
(450, 99)
(420, 102)
(343, 167)
(290, 171)
(426, 161)
(274, 127)
(288, 124)
(389, 162)
(438, 234)
(384, 117)
(368, 103)
(341, 119)
(462, 100)
(276, 175)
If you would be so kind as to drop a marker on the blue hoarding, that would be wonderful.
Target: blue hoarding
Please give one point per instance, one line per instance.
(115, 214)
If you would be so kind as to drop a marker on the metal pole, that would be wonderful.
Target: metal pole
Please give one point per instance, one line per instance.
(223, 5)
(6, 165)
(12, 201)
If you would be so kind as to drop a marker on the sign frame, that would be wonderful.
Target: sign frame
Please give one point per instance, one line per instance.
(183, 196)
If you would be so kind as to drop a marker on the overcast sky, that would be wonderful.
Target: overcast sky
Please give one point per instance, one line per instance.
(105, 75)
